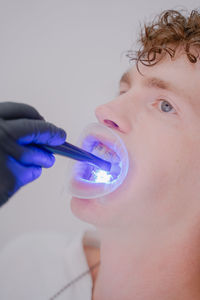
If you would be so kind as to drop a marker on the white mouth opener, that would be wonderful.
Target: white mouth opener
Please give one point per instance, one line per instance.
(85, 180)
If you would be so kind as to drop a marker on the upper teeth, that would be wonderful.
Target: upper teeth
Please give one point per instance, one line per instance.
(104, 152)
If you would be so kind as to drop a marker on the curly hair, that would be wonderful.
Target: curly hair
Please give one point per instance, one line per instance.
(165, 34)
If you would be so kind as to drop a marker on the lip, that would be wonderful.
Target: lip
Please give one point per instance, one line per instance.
(85, 185)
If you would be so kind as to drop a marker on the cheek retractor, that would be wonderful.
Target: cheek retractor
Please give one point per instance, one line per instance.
(89, 181)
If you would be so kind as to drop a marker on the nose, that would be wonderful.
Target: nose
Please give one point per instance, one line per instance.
(114, 114)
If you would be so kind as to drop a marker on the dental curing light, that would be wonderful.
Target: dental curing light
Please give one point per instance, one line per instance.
(76, 153)
(88, 181)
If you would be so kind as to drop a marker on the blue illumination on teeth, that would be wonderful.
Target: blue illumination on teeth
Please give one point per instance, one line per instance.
(91, 173)
(101, 176)
(89, 181)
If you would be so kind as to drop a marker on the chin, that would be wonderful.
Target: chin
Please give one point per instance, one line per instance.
(99, 212)
(88, 210)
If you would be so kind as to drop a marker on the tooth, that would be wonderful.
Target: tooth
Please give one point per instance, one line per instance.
(99, 152)
(102, 151)
(100, 146)
(96, 152)
(108, 156)
(115, 158)
(87, 171)
(95, 145)
(115, 170)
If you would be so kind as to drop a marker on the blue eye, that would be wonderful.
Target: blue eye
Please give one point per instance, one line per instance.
(165, 106)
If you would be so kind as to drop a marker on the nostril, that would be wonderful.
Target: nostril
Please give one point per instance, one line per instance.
(111, 124)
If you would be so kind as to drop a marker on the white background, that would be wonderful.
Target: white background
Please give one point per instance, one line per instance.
(63, 57)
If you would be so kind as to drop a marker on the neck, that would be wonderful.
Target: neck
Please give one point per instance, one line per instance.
(163, 267)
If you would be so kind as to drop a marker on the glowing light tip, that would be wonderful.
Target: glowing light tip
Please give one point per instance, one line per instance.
(102, 176)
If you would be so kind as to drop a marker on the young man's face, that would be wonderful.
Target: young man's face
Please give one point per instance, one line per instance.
(158, 118)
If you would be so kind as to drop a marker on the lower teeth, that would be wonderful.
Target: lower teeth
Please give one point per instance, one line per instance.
(94, 174)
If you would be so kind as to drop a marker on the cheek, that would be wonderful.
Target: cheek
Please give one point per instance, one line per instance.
(156, 176)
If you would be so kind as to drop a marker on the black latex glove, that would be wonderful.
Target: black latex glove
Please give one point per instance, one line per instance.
(22, 130)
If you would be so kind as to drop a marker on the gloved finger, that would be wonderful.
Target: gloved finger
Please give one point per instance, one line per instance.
(7, 180)
(27, 131)
(32, 155)
(29, 154)
(13, 110)
(23, 174)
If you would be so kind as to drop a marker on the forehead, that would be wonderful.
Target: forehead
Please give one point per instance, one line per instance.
(179, 75)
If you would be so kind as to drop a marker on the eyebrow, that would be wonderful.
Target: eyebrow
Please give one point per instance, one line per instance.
(151, 82)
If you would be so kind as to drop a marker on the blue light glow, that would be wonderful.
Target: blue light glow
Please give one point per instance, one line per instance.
(102, 176)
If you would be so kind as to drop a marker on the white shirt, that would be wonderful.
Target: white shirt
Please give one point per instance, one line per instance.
(37, 266)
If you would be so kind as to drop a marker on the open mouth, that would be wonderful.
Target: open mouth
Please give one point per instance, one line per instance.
(89, 181)
(93, 173)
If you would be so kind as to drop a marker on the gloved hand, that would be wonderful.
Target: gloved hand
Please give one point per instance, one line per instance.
(22, 128)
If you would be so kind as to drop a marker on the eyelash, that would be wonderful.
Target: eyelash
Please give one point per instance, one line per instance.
(162, 100)
(159, 101)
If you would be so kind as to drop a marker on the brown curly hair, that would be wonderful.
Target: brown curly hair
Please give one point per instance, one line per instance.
(165, 34)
